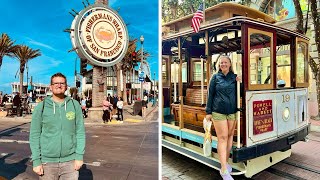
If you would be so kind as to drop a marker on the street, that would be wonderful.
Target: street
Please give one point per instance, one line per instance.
(125, 151)
(304, 163)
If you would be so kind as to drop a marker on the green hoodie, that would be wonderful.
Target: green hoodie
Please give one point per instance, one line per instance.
(57, 132)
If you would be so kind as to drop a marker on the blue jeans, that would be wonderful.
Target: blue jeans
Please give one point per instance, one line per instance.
(59, 171)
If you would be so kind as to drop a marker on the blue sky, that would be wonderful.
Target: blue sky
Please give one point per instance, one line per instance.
(39, 24)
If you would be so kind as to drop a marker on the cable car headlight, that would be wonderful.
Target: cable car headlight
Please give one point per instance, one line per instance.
(286, 114)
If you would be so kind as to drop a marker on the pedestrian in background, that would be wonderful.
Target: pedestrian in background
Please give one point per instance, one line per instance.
(120, 109)
(111, 100)
(17, 100)
(5, 99)
(84, 106)
(1, 97)
(115, 101)
(57, 134)
(107, 106)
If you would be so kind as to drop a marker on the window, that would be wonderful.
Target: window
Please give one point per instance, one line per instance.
(196, 70)
(164, 69)
(175, 72)
(283, 66)
(260, 59)
(302, 63)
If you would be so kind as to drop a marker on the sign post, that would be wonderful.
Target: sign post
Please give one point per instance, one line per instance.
(141, 79)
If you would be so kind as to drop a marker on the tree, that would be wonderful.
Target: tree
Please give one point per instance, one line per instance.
(315, 67)
(175, 9)
(6, 47)
(24, 54)
(126, 65)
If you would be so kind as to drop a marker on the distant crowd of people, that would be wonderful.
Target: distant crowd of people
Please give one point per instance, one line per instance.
(16, 100)
(112, 105)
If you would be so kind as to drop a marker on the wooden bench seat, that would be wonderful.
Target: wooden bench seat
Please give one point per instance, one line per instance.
(193, 96)
(193, 116)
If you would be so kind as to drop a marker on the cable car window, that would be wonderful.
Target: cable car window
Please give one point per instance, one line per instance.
(184, 72)
(283, 66)
(260, 59)
(302, 63)
(175, 70)
(164, 69)
(197, 71)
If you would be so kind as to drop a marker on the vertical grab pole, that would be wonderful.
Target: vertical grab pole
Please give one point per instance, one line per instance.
(181, 123)
(238, 103)
(238, 114)
(174, 81)
(202, 82)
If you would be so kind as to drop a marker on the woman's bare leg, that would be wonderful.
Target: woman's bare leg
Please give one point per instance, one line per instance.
(221, 128)
(231, 126)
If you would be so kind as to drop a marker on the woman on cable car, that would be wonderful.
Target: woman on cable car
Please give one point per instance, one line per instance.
(221, 108)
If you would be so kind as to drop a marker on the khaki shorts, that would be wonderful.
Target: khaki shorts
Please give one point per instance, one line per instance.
(221, 117)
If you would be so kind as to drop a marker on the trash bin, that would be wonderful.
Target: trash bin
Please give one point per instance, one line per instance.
(137, 108)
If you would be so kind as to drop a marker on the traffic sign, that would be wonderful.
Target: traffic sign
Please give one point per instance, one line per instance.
(141, 79)
(141, 74)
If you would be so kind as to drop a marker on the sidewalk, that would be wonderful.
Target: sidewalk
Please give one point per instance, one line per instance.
(315, 125)
(128, 117)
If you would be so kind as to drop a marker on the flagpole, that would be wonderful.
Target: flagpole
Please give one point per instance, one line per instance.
(204, 11)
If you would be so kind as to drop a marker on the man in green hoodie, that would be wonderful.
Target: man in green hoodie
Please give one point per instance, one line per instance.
(57, 134)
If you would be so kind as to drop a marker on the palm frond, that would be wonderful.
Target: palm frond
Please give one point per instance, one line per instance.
(24, 54)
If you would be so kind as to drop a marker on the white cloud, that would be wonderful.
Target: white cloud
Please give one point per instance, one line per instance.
(43, 64)
(31, 41)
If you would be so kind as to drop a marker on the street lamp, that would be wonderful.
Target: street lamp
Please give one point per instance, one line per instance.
(154, 87)
(141, 40)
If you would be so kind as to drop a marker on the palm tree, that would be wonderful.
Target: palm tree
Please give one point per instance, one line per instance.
(6, 47)
(126, 65)
(24, 54)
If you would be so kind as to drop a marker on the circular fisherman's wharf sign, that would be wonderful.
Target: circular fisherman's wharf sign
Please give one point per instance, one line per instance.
(102, 33)
(100, 36)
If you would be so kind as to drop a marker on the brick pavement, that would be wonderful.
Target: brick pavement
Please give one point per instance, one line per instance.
(315, 125)
(176, 166)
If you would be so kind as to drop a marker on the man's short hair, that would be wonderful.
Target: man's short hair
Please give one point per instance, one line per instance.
(58, 75)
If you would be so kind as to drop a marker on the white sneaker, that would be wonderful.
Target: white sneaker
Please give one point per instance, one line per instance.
(229, 168)
(226, 175)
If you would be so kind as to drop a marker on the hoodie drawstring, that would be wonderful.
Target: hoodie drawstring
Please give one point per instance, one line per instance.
(54, 108)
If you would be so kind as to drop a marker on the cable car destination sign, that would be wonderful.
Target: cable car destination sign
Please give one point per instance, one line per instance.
(99, 35)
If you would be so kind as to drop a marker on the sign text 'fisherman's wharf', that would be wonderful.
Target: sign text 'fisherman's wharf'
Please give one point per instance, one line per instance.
(102, 33)
(101, 36)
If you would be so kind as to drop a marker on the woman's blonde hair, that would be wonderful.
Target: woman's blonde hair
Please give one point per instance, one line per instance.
(227, 57)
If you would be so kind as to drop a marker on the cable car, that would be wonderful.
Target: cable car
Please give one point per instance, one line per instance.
(271, 100)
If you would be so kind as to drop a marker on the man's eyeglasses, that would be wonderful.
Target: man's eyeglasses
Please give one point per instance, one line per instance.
(59, 83)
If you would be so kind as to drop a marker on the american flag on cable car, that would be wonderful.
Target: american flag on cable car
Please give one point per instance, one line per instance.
(196, 18)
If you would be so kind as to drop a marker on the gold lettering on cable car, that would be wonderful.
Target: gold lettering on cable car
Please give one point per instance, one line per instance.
(262, 117)
(285, 98)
